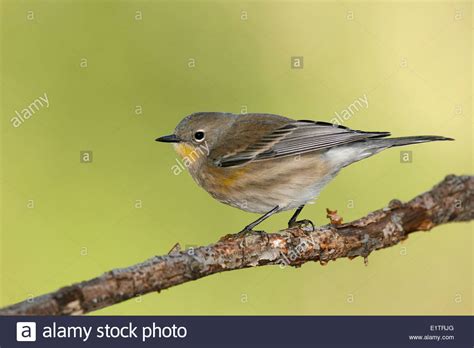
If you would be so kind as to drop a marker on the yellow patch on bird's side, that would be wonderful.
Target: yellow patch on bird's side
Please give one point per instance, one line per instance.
(229, 180)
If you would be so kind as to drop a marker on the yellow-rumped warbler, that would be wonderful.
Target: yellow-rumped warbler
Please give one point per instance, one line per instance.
(264, 163)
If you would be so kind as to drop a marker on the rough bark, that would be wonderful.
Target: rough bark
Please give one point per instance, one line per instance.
(449, 201)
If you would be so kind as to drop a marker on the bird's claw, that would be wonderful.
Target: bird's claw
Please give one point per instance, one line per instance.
(238, 234)
(301, 224)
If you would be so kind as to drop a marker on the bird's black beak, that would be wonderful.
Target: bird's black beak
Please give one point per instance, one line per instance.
(169, 139)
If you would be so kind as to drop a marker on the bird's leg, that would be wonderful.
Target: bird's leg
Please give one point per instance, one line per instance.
(294, 223)
(250, 226)
(295, 216)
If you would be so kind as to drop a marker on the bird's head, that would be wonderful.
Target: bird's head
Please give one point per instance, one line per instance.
(197, 134)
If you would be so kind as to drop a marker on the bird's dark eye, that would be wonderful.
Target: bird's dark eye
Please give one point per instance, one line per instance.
(199, 135)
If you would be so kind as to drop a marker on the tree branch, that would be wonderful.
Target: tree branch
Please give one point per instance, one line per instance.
(449, 201)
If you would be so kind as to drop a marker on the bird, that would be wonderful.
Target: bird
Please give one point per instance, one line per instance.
(266, 164)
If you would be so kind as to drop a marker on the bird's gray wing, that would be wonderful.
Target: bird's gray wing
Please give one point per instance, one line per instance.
(296, 138)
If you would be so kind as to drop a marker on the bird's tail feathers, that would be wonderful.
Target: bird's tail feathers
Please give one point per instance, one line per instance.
(390, 142)
(342, 156)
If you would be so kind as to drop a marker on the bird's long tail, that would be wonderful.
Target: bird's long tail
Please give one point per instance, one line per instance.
(347, 154)
(390, 142)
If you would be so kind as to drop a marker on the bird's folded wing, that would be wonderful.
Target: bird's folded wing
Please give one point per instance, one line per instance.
(296, 138)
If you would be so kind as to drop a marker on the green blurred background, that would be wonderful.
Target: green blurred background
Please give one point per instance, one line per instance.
(119, 74)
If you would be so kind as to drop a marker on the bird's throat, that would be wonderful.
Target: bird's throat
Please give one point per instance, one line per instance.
(184, 150)
(191, 156)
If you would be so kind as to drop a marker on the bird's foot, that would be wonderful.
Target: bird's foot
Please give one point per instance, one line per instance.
(240, 234)
(301, 224)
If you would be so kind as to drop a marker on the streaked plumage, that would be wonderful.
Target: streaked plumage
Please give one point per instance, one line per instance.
(262, 162)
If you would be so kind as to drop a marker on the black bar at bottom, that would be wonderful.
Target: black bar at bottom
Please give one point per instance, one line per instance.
(237, 331)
